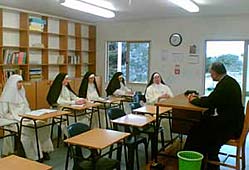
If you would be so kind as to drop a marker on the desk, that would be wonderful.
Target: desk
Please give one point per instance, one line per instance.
(110, 100)
(137, 121)
(16, 162)
(84, 107)
(43, 117)
(184, 114)
(151, 109)
(96, 139)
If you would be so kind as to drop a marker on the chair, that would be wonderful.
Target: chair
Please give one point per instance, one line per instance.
(240, 147)
(131, 142)
(86, 163)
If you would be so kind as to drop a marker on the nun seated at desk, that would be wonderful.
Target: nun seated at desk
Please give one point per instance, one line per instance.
(157, 91)
(13, 102)
(89, 90)
(61, 93)
(117, 86)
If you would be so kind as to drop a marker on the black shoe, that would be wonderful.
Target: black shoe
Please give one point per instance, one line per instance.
(46, 156)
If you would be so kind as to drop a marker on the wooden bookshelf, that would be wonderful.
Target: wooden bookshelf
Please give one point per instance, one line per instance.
(59, 37)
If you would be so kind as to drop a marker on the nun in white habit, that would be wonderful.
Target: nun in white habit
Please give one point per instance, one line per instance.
(156, 91)
(12, 103)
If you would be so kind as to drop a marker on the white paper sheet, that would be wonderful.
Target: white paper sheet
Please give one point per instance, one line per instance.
(40, 112)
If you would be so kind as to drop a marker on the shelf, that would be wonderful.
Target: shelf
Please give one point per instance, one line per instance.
(74, 50)
(37, 48)
(36, 32)
(57, 64)
(54, 34)
(74, 36)
(13, 29)
(59, 37)
(74, 64)
(56, 49)
(13, 65)
(14, 46)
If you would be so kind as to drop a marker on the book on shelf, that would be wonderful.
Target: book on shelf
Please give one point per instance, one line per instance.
(73, 59)
(36, 24)
(60, 59)
(14, 57)
(35, 74)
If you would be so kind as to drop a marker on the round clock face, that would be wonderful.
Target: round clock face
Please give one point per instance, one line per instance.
(175, 39)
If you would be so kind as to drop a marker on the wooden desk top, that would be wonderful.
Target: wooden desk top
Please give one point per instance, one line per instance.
(81, 107)
(6, 122)
(45, 116)
(180, 102)
(151, 109)
(97, 138)
(15, 162)
(134, 120)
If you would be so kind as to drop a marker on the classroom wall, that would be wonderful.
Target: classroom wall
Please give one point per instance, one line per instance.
(164, 57)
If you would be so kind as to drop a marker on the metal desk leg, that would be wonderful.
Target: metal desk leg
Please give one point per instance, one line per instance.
(67, 157)
(106, 117)
(37, 141)
(98, 117)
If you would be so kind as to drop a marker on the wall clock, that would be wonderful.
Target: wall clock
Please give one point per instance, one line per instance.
(175, 39)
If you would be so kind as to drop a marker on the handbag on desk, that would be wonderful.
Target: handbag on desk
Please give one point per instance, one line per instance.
(191, 92)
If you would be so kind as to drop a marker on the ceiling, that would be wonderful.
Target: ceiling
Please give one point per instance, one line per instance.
(137, 10)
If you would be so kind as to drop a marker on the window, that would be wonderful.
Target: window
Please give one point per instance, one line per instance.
(131, 58)
(231, 53)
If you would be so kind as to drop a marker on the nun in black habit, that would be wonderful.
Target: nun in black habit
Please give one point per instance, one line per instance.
(61, 92)
(117, 86)
(88, 87)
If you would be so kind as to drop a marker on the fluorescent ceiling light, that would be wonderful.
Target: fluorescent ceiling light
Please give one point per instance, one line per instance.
(100, 3)
(85, 7)
(186, 4)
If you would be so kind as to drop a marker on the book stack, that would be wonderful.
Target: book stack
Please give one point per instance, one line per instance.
(36, 24)
(74, 59)
(14, 57)
(35, 74)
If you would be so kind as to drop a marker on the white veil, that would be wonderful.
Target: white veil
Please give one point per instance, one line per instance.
(11, 94)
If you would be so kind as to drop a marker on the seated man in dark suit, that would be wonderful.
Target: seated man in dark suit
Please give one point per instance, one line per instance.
(224, 118)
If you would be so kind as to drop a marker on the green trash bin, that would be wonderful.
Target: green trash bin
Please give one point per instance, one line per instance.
(189, 160)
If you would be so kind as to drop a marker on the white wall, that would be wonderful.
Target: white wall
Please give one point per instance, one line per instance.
(194, 30)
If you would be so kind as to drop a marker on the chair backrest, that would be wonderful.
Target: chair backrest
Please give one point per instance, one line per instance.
(245, 126)
(114, 113)
(73, 130)
(77, 128)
